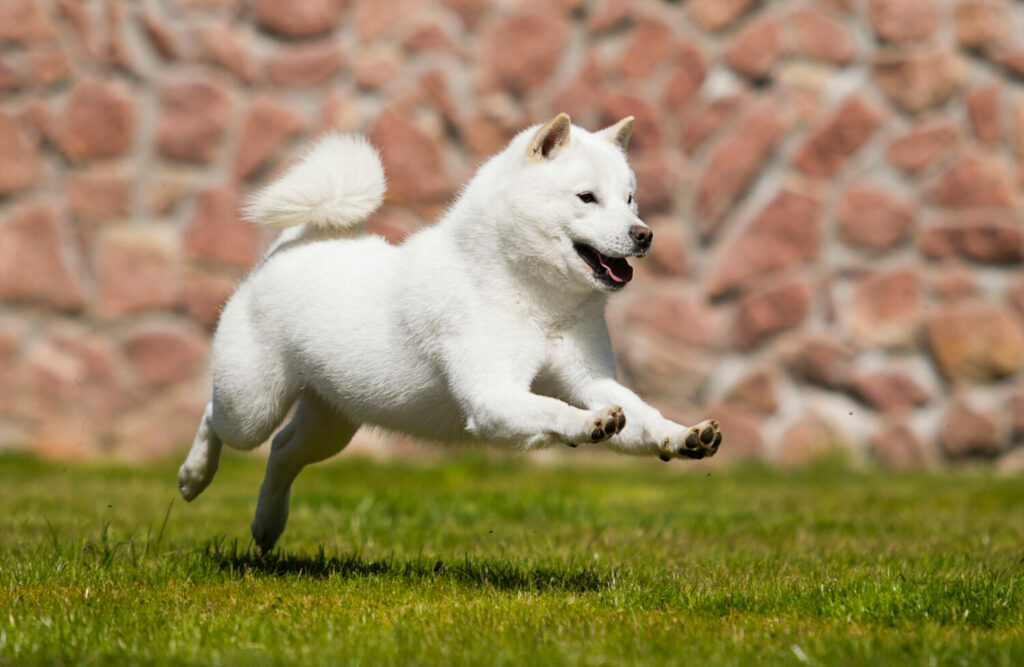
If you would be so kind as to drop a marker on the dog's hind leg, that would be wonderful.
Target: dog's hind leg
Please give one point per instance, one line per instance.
(317, 432)
(200, 465)
(252, 392)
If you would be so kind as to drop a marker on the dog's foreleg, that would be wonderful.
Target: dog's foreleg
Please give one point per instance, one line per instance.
(647, 431)
(514, 415)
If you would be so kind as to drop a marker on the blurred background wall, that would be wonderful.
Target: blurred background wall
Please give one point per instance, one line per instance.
(835, 188)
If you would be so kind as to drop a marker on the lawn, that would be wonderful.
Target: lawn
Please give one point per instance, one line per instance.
(500, 561)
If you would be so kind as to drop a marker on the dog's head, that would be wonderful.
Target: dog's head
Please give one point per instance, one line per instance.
(575, 190)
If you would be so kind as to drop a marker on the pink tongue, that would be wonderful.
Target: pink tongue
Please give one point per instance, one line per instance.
(622, 273)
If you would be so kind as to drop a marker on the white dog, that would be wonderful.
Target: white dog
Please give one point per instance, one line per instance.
(488, 325)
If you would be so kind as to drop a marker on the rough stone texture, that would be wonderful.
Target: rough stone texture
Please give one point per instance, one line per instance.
(835, 189)
(268, 127)
(161, 355)
(976, 342)
(849, 128)
(717, 14)
(954, 283)
(894, 445)
(216, 232)
(888, 391)
(299, 18)
(810, 438)
(228, 47)
(97, 196)
(873, 218)
(205, 294)
(651, 43)
(785, 234)
(672, 315)
(193, 120)
(99, 121)
(687, 76)
(756, 391)
(898, 20)
(412, 160)
(73, 388)
(1011, 464)
(917, 80)
(305, 66)
(983, 106)
(976, 181)
(178, 413)
(982, 24)
(967, 432)
(822, 361)
(137, 268)
(886, 308)
(24, 21)
(33, 261)
(993, 237)
(755, 49)
(668, 374)
(1015, 409)
(769, 312)
(922, 146)
(709, 118)
(730, 171)
(523, 50)
(746, 440)
(1015, 295)
(822, 37)
(20, 166)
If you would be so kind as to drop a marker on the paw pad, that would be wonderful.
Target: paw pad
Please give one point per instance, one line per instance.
(608, 423)
(700, 441)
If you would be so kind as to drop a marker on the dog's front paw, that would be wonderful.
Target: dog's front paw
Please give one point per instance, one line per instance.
(695, 442)
(606, 423)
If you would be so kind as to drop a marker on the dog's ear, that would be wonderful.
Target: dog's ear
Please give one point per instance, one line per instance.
(619, 132)
(550, 138)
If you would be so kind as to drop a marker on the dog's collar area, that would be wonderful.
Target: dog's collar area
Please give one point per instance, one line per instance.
(612, 272)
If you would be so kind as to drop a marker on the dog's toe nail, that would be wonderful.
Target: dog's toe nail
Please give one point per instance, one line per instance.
(707, 435)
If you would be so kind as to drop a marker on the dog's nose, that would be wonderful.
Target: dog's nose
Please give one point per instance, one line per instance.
(642, 234)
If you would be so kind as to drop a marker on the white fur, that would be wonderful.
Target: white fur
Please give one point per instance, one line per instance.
(336, 186)
(487, 325)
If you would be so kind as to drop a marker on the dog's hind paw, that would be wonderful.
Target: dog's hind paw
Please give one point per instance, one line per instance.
(695, 442)
(193, 479)
(606, 423)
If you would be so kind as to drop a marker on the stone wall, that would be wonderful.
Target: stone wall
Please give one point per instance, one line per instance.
(835, 188)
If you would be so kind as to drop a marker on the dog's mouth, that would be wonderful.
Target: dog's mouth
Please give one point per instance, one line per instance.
(609, 272)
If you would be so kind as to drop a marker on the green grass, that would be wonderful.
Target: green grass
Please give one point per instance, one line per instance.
(503, 562)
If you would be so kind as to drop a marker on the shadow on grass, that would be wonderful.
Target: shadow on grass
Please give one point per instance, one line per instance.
(496, 573)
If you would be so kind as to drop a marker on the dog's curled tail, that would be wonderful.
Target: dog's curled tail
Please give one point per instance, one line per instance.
(335, 187)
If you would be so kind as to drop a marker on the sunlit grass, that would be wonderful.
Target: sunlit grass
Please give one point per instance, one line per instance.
(503, 562)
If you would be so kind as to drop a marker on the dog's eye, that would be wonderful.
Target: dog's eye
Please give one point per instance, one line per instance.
(587, 197)
(630, 200)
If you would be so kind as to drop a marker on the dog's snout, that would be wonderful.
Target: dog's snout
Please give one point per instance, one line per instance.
(641, 234)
